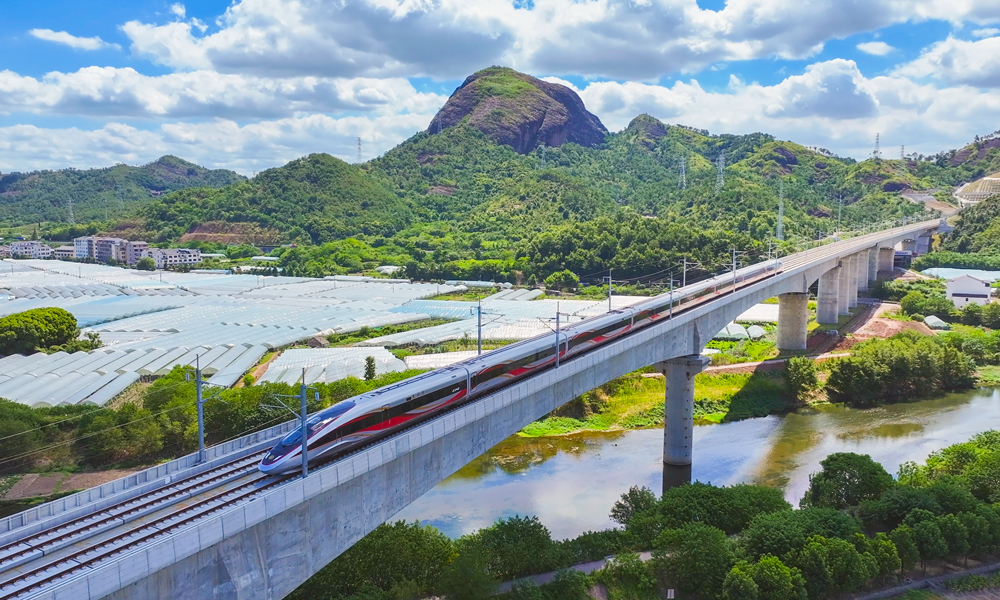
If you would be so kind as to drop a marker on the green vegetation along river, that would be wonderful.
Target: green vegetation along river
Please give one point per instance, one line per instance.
(570, 481)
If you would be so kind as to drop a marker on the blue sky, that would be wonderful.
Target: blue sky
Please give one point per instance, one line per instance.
(252, 84)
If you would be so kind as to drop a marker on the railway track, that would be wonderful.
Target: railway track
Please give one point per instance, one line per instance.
(74, 558)
(65, 550)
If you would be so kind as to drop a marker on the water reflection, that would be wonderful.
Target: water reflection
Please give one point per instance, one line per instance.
(570, 482)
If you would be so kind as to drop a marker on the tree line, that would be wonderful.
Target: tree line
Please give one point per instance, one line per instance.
(857, 529)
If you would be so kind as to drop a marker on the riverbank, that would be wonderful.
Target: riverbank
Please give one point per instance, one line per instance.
(636, 402)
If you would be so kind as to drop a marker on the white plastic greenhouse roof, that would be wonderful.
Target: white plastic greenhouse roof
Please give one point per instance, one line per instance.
(324, 365)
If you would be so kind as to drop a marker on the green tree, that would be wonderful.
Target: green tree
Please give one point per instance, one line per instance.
(146, 264)
(978, 528)
(955, 534)
(397, 555)
(369, 368)
(846, 479)
(694, 559)
(627, 576)
(800, 373)
(776, 581)
(786, 531)
(991, 315)
(512, 548)
(811, 561)
(906, 546)
(569, 584)
(930, 542)
(38, 328)
(128, 434)
(972, 314)
(562, 280)
(466, 578)
(739, 584)
(632, 502)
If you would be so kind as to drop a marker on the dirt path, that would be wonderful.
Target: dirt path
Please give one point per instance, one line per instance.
(34, 485)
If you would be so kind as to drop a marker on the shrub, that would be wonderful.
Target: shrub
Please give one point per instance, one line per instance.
(800, 373)
(38, 328)
(846, 480)
(562, 280)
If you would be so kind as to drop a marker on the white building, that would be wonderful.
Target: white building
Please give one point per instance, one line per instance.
(965, 289)
(64, 252)
(30, 249)
(172, 257)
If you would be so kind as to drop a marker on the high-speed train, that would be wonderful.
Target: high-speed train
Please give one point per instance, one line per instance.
(352, 423)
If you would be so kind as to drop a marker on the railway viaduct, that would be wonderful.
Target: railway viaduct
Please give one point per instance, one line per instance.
(221, 530)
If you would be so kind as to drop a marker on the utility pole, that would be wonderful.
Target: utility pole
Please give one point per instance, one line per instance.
(305, 429)
(671, 296)
(303, 417)
(479, 328)
(201, 408)
(557, 334)
(609, 290)
(684, 273)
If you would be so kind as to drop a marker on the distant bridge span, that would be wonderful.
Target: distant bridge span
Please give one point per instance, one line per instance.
(222, 530)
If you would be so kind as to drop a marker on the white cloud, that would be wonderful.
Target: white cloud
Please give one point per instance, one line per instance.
(112, 93)
(987, 32)
(79, 43)
(956, 61)
(178, 9)
(451, 38)
(831, 105)
(219, 143)
(875, 48)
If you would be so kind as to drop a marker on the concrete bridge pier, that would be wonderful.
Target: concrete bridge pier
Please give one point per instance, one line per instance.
(908, 245)
(873, 264)
(793, 321)
(843, 294)
(924, 244)
(678, 412)
(863, 271)
(828, 297)
(885, 258)
(852, 285)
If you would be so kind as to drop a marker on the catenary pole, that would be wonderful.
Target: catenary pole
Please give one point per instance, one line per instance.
(479, 328)
(305, 431)
(201, 408)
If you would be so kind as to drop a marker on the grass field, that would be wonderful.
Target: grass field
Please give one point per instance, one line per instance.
(638, 402)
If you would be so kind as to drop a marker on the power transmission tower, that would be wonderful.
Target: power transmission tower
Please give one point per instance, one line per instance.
(877, 154)
(542, 148)
(683, 181)
(72, 220)
(780, 234)
(720, 180)
(359, 149)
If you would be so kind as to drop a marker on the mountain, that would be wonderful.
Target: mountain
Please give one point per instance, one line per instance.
(45, 195)
(478, 195)
(520, 111)
(316, 198)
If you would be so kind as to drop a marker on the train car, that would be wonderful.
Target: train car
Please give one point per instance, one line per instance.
(363, 419)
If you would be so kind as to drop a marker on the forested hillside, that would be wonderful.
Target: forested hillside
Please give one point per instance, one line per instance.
(465, 199)
(98, 193)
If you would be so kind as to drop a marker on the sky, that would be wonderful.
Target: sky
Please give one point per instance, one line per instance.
(251, 84)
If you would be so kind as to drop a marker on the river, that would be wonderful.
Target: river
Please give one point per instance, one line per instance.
(570, 482)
